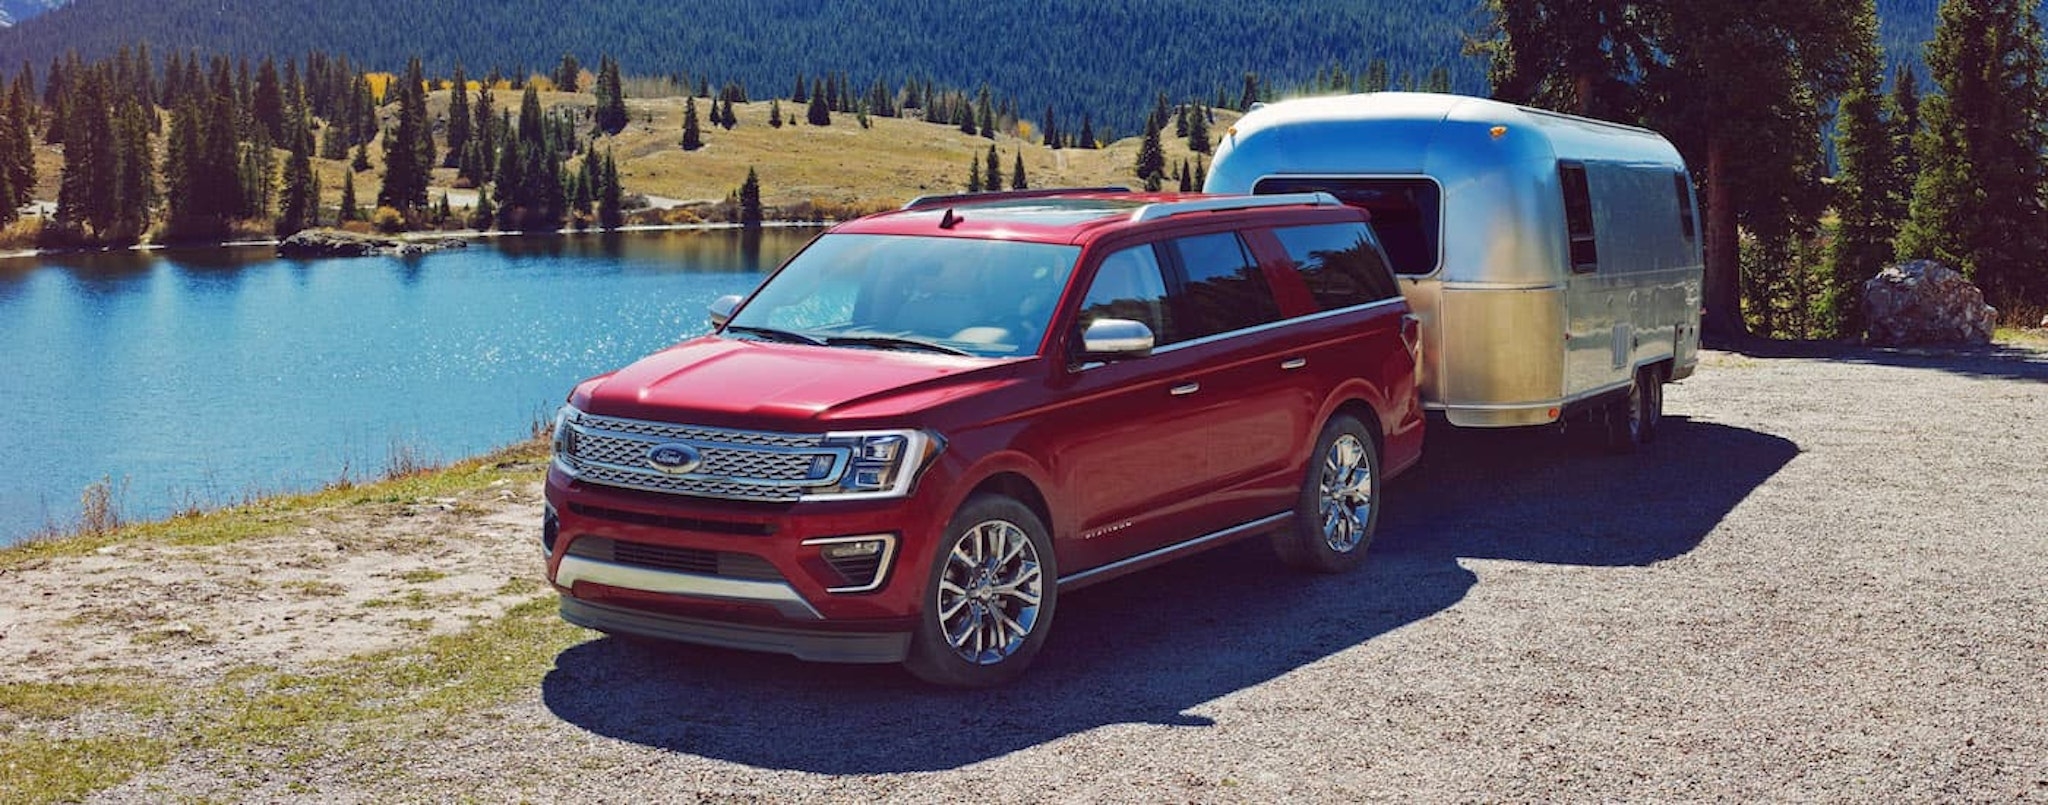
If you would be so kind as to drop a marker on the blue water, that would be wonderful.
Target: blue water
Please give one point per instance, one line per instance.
(196, 378)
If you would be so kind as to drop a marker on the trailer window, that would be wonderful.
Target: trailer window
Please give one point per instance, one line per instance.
(1578, 216)
(1339, 264)
(1407, 213)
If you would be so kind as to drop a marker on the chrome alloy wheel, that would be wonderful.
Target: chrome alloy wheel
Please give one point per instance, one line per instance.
(989, 592)
(1346, 493)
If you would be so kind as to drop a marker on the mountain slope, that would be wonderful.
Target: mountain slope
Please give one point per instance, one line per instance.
(1079, 55)
(16, 11)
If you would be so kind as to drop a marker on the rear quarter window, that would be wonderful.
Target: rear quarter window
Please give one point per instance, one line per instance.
(1341, 264)
(1223, 288)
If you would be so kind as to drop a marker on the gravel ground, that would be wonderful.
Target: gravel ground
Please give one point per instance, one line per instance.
(1824, 582)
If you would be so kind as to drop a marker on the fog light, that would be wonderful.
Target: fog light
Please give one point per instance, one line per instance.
(861, 562)
(852, 550)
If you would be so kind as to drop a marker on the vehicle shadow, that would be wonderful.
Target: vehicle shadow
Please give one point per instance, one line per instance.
(1150, 647)
(2005, 361)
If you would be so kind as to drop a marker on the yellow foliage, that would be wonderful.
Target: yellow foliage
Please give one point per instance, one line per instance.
(379, 82)
(1024, 129)
(541, 83)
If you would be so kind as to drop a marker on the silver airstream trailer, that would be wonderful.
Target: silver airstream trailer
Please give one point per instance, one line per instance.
(1554, 260)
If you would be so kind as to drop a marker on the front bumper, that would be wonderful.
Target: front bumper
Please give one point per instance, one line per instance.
(816, 646)
(738, 575)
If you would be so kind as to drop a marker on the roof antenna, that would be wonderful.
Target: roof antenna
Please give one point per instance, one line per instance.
(949, 220)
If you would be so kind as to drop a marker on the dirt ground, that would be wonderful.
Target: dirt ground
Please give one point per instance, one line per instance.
(1827, 580)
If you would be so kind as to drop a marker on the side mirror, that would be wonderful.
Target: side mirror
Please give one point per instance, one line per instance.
(1115, 340)
(722, 308)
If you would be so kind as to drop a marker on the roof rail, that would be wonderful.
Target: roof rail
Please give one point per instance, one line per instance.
(1007, 195)
(1154, 212)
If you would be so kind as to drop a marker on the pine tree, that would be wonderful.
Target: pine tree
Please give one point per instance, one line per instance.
(1902, 108)
(1978, 204)
(408, 146)
(266, 103)
(750, 201)
(300, 196)
(1251, 92)
(1864, 185)
(693, 138)
(1201, 180)
(87, 183)
(993, 174)
(17, 155)
(985, 115)
(1198, 131)
(818, 113)
(568, 74)
(802, 94)
(349, 212)
(1087, 132)
(1017, 173)
(1151, 165)
(611, 97)
(459, 120)
(775, 113)
(726, 117)
(973, 175)
(1180, 175)
(610, 196)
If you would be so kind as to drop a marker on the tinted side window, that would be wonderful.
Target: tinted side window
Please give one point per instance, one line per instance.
(1224, 288)
(1339, 263)
(1578, 216)
(1130, 286)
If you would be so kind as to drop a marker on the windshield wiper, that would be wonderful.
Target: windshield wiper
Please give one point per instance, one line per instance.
(893, 342)
(772, 334)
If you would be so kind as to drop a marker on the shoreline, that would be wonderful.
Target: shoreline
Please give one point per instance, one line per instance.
(463, 234)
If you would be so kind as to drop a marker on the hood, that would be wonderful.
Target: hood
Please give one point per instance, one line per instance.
(726, 382)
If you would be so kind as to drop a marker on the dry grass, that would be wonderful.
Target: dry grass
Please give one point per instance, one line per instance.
(841, 165)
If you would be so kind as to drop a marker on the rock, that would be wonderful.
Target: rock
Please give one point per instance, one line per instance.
(1924, 302)
(337, 243)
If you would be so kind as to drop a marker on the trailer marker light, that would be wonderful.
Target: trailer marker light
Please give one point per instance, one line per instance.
(1499, 132)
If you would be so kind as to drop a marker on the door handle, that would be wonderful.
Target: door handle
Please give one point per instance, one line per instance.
(1186, 389)
(1293, 363)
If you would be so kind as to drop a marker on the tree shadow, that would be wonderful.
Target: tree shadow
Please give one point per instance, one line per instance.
(2002, 361)
(1148, 648)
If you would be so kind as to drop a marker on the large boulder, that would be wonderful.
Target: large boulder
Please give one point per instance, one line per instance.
(1924, 302)
(338, 243)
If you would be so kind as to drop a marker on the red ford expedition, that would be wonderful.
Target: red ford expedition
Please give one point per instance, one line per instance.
(929, 423)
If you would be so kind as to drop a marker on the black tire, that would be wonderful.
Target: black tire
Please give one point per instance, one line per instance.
(1338, 510)
(978, 643)
(1632, 422)
(1653, 403)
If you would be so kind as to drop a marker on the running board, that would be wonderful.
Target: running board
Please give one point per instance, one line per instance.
(1148, 558)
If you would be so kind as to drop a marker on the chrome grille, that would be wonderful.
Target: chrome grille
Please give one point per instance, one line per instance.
(735, 464)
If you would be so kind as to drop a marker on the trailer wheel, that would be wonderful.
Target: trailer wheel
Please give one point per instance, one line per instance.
(1338, 511)
(1632, 422)
(1652, 380)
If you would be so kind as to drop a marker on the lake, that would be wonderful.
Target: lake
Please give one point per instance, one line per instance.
(199, 377)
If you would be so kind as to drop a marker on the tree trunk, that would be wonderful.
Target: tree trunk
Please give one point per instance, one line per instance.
(1723, 289)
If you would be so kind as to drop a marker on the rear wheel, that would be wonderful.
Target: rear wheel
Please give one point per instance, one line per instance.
(1633, 422)
(989, 600)
(1338, 511)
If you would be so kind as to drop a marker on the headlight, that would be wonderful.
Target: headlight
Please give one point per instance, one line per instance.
(563, 438)
(879, 464)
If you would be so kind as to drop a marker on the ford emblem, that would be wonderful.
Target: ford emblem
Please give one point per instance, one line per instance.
(674, 459)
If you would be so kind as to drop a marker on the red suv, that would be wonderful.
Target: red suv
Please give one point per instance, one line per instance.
(929, 423)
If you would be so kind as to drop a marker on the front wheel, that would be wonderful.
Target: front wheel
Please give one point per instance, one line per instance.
(1338, 511)
(989, 601)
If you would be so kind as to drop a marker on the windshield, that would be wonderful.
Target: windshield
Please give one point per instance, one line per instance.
(988, 298)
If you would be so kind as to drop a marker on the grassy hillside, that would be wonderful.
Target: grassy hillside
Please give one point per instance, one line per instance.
(840, 166)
